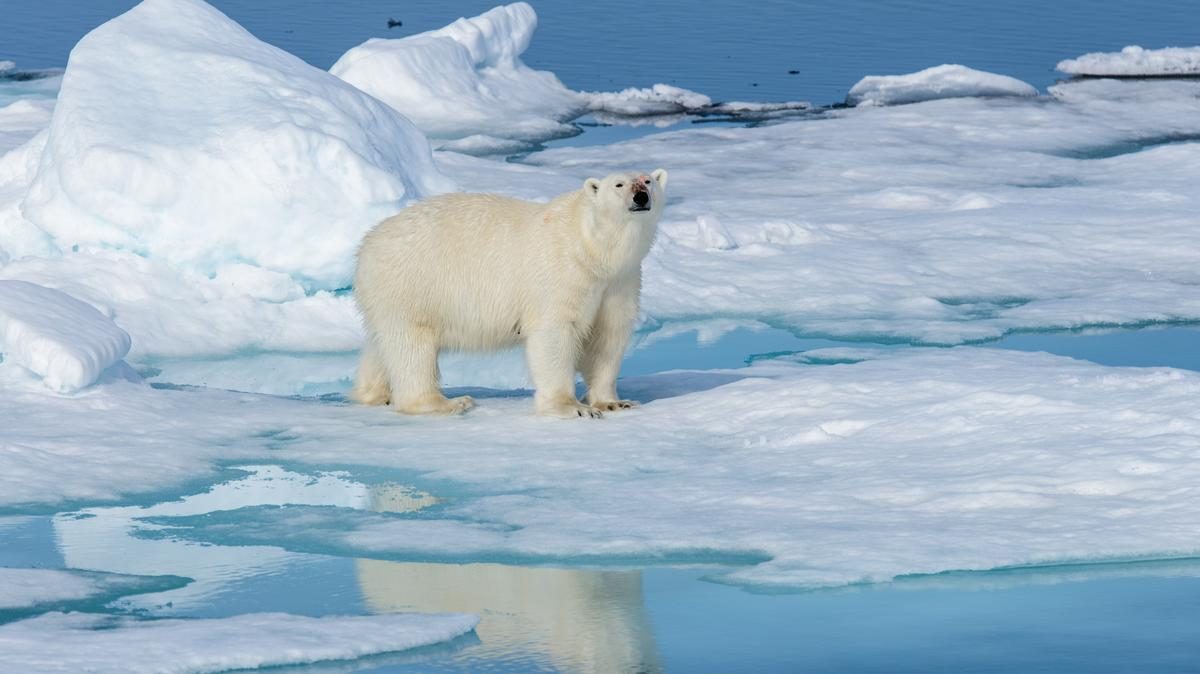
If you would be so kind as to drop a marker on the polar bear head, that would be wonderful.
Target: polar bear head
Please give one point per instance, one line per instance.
(629, 196)
(625, 209)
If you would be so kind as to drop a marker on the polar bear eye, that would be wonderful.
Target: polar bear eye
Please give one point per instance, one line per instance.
(620, 184)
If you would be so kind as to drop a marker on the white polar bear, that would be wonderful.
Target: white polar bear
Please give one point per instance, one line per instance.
(479, 272)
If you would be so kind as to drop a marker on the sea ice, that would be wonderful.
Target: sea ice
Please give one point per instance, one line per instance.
(467, 78)
(200, 145)
(82, 642)
(33, 588)
(944, 81)
(467, 88)
(941, 222)
(1134, 61)
(68, 343)
(911, 461)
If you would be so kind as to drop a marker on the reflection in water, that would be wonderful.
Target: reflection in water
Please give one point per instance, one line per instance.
(105, 538)
(577, 620)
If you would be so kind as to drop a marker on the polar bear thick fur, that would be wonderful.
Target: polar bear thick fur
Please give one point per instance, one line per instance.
(479, 272)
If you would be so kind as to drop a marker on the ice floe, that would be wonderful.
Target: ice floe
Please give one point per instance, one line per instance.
(467, 88)
(81, 642)
(914, 461)
(944, 81)
(201, 145)
(39, 588)
(1134, 61)
(66, 342)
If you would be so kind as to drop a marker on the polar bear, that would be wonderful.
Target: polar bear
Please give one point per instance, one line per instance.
(480, 272)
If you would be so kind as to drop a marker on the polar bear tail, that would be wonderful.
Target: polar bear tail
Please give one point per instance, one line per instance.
(371, 384)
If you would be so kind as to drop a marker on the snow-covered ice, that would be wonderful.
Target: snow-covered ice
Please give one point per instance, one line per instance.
(201, 145)
(944, 81)
(945, 221)
(1134, 61)
(32, 588)
(913, 461)
(467, 79)
(81, 642)
(66, 342)
(467, 88)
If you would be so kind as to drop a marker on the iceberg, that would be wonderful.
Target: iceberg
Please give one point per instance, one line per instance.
(944, 81)
(68, 343)
(200, 145)
(1134, 61)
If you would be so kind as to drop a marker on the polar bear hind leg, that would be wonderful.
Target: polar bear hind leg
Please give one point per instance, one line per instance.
(371, 383)
(409, 357)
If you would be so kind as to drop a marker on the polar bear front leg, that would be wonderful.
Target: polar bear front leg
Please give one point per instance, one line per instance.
(551, 353)
(605, 348)
(410, 355)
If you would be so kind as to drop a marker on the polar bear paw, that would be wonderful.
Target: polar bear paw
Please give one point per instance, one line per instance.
(570, 410)
(615, 405)
(439, 405)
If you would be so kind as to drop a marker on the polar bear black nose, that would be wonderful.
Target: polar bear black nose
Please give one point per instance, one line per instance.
(641, 198)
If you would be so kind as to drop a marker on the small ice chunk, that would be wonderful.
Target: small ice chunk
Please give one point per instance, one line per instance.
(6, 66)
(660, 99)
(65, 341)
(1134, 61)
(99, 643)
(944, 81)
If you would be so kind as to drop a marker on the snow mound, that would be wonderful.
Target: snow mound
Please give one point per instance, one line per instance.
(96, 643)
(467, 79)
(29, 588)
(65, 341)
(466, 86)
(944, 81)
(179, 135)
(1134, 61)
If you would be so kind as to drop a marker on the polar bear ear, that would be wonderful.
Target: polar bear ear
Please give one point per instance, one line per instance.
(592, 186)
(660, 177)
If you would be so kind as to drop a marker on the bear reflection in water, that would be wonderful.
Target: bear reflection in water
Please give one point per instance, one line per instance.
(576, 620)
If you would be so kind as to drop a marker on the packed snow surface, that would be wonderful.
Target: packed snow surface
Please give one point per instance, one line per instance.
(81, 642)
(912, 461)
(1134, 61)
(68, 343)
(199, 146)
(944, 81)
(29, 588)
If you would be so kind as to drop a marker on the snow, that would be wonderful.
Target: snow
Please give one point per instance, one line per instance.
(32, 588)
(1134, 61)
(68, 343)
(101, 644)
(202, 145)
(911, 461)
(944, 81)
(467, 88)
